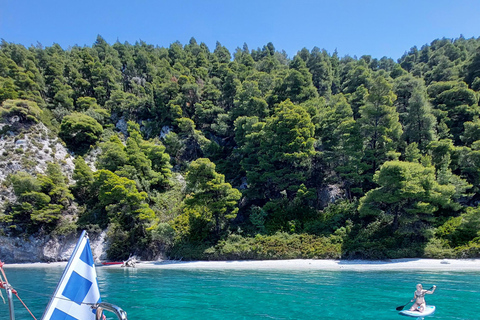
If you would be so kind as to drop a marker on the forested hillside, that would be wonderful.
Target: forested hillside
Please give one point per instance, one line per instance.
(201, 154)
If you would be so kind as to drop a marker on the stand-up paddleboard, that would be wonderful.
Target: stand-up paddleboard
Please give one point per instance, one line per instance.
(429, 310)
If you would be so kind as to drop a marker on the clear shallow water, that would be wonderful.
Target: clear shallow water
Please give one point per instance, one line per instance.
(234, 295)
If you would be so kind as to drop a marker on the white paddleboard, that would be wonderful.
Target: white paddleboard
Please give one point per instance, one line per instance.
(429, 310)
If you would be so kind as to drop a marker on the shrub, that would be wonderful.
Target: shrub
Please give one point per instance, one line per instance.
(278, 246)
(27, 111)
(79, 131)
(438, 249)
(470, 250)
(119, 242)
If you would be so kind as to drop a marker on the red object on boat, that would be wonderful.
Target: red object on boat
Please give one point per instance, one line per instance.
(110, 263)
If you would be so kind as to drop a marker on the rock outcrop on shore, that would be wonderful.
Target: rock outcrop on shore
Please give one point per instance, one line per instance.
(47, 249)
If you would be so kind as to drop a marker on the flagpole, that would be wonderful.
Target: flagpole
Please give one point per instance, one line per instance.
(10, 302)
(77, 295)
(8, 288)
(83, 235)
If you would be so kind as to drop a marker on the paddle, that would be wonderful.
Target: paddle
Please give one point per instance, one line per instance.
(400, 308)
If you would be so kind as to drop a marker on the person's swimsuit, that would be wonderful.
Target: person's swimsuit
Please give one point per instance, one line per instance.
(419, 306)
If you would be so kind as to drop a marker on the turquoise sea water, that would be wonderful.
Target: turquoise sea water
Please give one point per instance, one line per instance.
(232, 294)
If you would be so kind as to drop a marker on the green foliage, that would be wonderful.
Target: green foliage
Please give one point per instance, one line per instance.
(456, 104)
(80, 131)
(55, 183)
(277, 153)
(23, 182)
(19, 74)
(342, 144)
(415, 112)
(282, 130)
(125, 207)
(85, 103)
(296, 85)
(249, 101)
(163, 233)
(257, 218)
(379, 124)
(26, 111)
(334, 218)
(438, 249)
(211, 202)
(458, 237)
(402, 208)
(113, 154)
(83, 176)
(290, 215)
(121, 198)
(277, 246)
(119, 243)
(462, 229)
(40, 201)
(473, 68)
(145, 162)
(472, 131)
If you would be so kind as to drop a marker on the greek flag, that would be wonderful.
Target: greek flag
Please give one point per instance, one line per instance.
(78, 287)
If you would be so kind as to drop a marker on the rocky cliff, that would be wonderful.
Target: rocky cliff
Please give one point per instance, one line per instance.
(48, 249)
(30, 148)
(30, 151)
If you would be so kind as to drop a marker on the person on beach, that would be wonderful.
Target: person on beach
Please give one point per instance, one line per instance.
(419, 298)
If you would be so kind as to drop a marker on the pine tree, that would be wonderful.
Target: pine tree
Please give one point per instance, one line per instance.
(379, 124)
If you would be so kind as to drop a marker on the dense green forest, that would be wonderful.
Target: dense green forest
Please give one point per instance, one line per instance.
(251, 155)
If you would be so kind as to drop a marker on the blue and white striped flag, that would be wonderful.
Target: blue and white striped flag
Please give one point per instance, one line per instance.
(78, 287)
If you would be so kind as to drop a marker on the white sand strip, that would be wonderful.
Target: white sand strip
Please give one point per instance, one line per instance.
(300, 264)
(353, 265)
(36, 265)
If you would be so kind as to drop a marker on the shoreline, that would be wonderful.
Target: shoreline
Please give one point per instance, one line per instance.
(455, 265)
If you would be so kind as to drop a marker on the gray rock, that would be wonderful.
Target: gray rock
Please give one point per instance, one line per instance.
(47, 249)
(165, 130)
(329, 194)
(21, 143)
(122, 125)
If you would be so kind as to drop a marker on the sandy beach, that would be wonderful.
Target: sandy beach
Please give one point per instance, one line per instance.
(353, 265)
(332, 265)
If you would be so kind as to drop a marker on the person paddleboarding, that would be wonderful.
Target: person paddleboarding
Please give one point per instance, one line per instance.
(419, 298)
